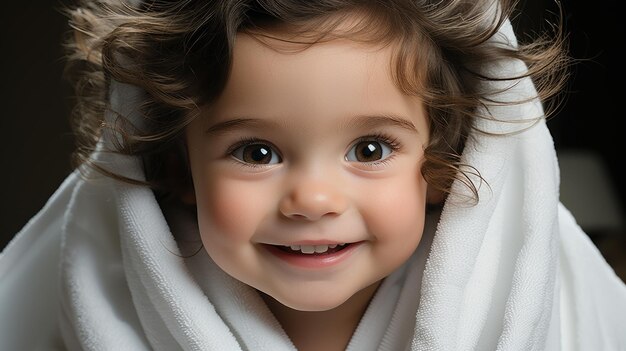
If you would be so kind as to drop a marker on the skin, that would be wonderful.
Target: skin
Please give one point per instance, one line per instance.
(311, 111)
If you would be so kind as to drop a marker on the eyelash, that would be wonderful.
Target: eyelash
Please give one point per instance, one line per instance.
(243, 142)
(392, 142)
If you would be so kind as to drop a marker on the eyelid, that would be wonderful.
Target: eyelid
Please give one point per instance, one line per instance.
(392, 142)
(248, 141)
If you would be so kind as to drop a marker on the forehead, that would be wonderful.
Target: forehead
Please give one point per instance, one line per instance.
(338, 61)
(338, 77)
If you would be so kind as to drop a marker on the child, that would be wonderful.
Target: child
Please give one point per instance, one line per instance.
(321, 175)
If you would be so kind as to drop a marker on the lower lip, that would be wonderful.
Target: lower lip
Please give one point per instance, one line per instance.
(314, 261)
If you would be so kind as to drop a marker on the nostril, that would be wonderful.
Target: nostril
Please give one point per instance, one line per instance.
(309, 217)
(297, 216)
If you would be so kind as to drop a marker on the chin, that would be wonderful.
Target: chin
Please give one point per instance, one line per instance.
(312, 304)
(315, 300)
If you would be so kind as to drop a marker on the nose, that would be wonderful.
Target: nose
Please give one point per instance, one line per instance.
(313, 199)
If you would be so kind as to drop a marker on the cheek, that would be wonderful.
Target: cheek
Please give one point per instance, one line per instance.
(395, 213)
(228, 211)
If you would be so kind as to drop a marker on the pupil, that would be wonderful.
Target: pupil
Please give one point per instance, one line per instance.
(369, 151)
(257, 154)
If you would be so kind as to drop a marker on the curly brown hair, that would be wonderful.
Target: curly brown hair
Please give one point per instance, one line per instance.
(179, 53)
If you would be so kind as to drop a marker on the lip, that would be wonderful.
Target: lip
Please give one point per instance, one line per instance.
(314, 261)
(316, 242)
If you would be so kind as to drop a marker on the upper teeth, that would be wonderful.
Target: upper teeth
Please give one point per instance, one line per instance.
(309, 249)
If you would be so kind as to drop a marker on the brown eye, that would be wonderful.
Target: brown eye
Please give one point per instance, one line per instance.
(259, 154)
(368, 151)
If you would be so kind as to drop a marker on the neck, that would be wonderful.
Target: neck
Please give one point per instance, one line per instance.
(322, 330)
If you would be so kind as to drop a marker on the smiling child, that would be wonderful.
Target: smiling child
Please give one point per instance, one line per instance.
(321, 175)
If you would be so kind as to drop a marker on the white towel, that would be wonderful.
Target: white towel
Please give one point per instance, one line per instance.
(98, 268)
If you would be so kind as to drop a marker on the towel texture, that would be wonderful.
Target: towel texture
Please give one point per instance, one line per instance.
(99, 268)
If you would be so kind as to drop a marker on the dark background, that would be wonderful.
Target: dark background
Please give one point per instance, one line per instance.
(36, 140)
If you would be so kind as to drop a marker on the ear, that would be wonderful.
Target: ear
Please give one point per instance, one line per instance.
(434, 196)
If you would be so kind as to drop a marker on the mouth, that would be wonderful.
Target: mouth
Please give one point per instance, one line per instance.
(312, 249)
(313, 256)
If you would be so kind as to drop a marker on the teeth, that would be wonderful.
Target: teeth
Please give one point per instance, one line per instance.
(307, 249)
(321, 248)
(310, 249)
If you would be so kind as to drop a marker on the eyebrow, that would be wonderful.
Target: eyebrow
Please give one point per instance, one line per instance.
(378, 121)
(359, 121)
(239, 123)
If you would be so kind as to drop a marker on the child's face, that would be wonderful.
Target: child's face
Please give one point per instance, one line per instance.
(310, 151)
